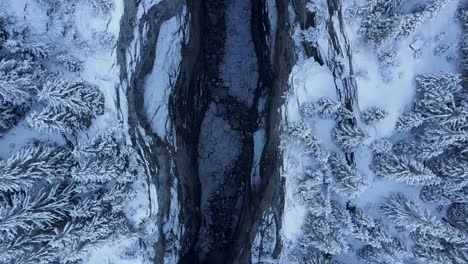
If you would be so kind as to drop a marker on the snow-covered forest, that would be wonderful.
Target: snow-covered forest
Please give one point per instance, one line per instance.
(233, 131)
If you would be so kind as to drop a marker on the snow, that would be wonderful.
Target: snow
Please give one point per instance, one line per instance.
(259, 144)
(107, 253)
(239, 68)
(160, 82)
(20, 135)
(273, 19)
(393, 91)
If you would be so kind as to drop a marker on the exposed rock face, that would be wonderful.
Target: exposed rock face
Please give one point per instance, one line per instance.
(216, 168)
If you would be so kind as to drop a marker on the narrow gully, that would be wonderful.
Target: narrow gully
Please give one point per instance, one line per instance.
(226, 136)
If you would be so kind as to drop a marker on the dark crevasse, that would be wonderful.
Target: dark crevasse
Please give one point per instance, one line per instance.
(224, 110)
(226, 143)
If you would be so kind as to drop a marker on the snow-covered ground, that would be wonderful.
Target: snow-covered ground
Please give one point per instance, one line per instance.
(159, 83)
(392, 89)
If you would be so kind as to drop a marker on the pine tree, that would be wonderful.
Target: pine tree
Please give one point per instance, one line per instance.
(77, 238)
(313, 192)
(348, 137)
(29, 212)
(50, 119)
(457, 215)
(99, 170)
(105, 144)
(102, 6)
(346, 180)
(32, 164)
(408, 215)
(454, 170)
(443, 136)
(300, 132)
(77, 97)
(444, 193)
(402, 168)
(16, 81)
(381, 146)
(373, 115)
(324, 108)
(409, 120)
(379, 30)
(323, 234)
(70, 62)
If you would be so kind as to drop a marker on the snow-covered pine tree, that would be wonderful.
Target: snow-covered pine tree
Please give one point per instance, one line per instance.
(16, 81)
(408, 121)
(402, 168)
(50, 120)
(103, 144)
(77, 97)
(381, 146)
(313, 191)
(348, 136)
(444, 193)
(373, 115)
(324, 108)
(408, 215)
(380, 29)
(457, 215)
(102, 6)
(381, 7)
(38, 162)
(70, 62)
(101, 159)
(306, 256)
(443, 136)
(437, 88)
(30, 211)
(346, 180)
(301, 132)
(452, 168)
(75, 239)
(12, 250)
(324, 234)
(99, 169)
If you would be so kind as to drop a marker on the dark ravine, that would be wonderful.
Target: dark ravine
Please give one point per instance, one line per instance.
(197, 85)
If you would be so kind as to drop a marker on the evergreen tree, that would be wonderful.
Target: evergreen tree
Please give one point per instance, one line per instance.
(457, 215)
(102, 6)
(346, 180)
(408, 215)
(402, 168)
(50, 119)
(99, 170)
(324, 234)
(324, 108)
(444, 193)
(29, 211)
(70, 62)
(373, 115)
(302, 133)
(454, 170)
(443, 136)
(348, 137)
(408, 121)
(77, 97)
(381, 146)
(32, 164)
(379, 30)
(16, 81)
